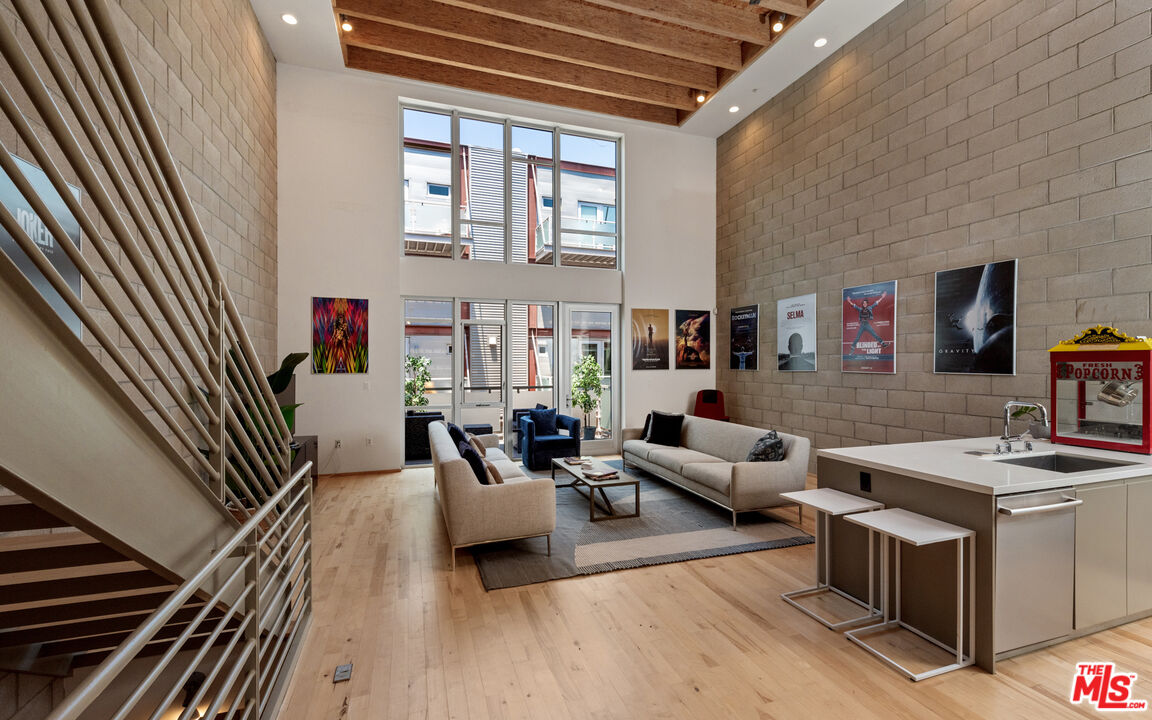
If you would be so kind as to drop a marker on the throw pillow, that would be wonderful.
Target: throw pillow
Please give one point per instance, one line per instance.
(478, 446)
(647, 427)
(469, 453)
(493, 473)
(545, 421)
(541, 406)
(769, 448)
(665, 429)
(457, 434)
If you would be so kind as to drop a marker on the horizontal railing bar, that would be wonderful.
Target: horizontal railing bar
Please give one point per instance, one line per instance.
(248, 359)
(61, 286)
(257, 424)
(210, 676)
(269, 437)
(159, 666)
(302, 601)
(279, 543)
(103, 675)
(24, 71)
(110, 167)
(300, 557)
(241, 692)
(279, 657)
(230, 680)
(242, 479)
(246, 444)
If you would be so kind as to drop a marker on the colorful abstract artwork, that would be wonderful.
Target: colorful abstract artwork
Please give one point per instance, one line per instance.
(339, 335)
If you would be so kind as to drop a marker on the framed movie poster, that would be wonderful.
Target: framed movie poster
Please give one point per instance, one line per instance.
(868, 328)
(339, 335)
(796, 333)
(693, 339)
(38, 232)
(975, 323)
(649, 339)
(745, 338)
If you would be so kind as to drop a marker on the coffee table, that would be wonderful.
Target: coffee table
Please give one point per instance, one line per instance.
(576, 471)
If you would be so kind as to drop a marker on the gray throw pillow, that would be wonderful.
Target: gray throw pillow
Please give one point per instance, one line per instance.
(769, 448)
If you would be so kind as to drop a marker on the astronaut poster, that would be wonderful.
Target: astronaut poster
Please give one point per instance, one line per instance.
(868, 325)
(976, 320)
(745, 337)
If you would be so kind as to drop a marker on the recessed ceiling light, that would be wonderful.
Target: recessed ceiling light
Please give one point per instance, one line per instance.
(734, 108)
(820, 42)
(289, 18)
(701, 97)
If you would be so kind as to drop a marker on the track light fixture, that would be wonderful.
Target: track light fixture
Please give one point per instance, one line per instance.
(778, 25)
(344, 24)
(701, 97)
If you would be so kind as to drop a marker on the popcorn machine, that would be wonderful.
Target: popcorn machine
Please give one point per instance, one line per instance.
(1099, 397)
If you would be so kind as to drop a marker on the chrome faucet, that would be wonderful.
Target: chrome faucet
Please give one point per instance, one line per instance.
(1008, 418)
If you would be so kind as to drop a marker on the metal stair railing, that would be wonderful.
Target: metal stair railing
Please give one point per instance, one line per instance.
(156, 314)
(268, 600)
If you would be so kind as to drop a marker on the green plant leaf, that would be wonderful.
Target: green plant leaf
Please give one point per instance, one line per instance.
(279, 380)
(289, 413)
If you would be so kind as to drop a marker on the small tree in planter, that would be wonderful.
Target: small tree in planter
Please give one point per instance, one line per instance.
(418, 377)
(587, 387)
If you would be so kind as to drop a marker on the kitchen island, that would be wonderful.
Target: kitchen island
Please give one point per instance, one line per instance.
(1059, 552)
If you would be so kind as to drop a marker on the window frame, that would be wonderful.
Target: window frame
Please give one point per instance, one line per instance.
(509, 163)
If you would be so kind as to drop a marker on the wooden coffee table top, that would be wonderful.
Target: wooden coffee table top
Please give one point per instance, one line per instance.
(577, 471)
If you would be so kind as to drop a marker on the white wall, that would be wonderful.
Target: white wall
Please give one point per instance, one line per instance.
(339, 235)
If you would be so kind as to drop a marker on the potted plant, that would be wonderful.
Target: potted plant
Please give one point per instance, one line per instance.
(417, 378)
(1036, 428)
(587, 387)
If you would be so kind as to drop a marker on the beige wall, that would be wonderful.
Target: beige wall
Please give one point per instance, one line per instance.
(948, 134)
(211, 79)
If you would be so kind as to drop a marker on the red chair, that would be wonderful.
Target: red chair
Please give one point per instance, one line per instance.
(710, 404)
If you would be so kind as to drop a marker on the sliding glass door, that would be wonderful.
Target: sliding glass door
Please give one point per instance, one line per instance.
(591, 390)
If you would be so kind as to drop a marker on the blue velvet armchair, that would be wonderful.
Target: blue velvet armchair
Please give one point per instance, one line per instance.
(538, 450)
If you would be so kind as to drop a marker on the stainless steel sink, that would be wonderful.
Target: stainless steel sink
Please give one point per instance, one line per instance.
(1063, 463)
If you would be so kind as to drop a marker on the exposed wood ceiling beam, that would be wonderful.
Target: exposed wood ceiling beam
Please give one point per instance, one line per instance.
(425, 71)
(613, 26)
(463, 54)
(491, 30)
(798, 8)
(744, 24)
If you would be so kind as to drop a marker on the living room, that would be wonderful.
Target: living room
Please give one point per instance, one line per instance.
(938, 135)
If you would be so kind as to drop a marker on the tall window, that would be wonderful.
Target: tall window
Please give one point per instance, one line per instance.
(505, 191)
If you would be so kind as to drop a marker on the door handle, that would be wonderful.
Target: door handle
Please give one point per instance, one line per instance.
(1066, 502)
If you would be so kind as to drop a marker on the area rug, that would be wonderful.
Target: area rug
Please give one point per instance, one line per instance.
(674, 525)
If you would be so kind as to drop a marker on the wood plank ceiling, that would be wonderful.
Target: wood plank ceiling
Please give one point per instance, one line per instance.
(640, 59)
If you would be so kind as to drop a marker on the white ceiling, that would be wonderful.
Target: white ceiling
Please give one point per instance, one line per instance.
(314, 43)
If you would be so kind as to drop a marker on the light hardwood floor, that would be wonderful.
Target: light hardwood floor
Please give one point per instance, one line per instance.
(700, 639)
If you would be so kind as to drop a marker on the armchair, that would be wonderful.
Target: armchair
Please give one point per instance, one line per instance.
(538, 450)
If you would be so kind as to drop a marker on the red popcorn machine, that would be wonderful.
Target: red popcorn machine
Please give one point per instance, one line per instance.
(1099, 393)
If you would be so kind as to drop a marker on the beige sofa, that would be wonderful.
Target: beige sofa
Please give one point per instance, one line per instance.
(710, 462)
(521, 507)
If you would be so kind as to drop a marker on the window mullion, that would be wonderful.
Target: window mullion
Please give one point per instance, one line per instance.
(454, 165)
(507, 193)
(557, 198)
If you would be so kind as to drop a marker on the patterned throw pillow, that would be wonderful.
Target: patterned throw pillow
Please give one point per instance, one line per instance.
(769, 448)
(478, 446)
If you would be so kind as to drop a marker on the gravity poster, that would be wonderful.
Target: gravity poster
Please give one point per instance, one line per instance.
(976, 320)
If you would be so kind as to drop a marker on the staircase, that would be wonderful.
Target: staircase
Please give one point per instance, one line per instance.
(155, 547)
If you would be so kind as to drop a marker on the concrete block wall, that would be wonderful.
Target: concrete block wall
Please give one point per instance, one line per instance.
(951, 133)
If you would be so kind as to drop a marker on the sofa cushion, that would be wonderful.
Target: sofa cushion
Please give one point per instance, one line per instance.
(665, 429)
(495, 454)
(769, 448)
(640, 448)
(457, 433)
(474, 461)
(715, 475)
(676, 458)
(544, 420)
(493, 473)
(507, 468)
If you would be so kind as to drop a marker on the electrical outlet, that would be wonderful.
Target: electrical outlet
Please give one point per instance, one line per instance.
(865, 482)
(368, 440)
(338, 446)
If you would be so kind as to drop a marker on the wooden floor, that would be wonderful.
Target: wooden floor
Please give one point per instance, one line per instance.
(700, 639)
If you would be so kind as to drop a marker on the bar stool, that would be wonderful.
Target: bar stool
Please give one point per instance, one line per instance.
(914, 529)
(830, 503)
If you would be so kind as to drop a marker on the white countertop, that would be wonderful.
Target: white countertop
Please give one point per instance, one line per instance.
(952, 462)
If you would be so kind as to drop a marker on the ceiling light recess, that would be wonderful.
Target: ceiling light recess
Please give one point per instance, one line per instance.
(289, 18)
(734, 108)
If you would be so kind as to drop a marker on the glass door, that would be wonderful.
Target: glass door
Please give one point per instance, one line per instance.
(428, 371)
(532, 347)
(480, 367)
(591, 369)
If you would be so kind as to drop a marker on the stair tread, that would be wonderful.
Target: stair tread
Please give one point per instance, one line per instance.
(10, 543)
(68, 573)
(18, 514)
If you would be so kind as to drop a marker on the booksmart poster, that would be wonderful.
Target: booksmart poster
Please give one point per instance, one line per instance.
(745, 338)
(868, 328)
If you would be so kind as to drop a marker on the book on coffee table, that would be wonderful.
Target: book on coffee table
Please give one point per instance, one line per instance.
(606, 475)
(578, 460)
